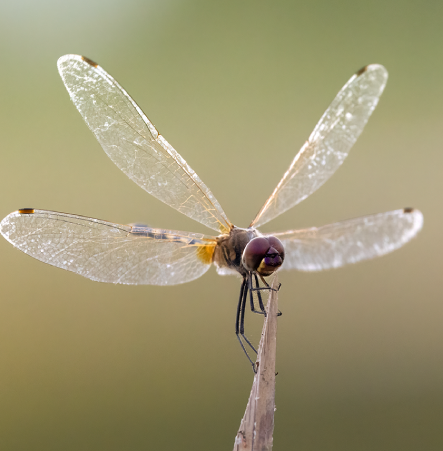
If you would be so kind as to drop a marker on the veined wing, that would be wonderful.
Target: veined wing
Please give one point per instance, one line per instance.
(329, 143)
(351, 241)
(106, 252)
(134, 145)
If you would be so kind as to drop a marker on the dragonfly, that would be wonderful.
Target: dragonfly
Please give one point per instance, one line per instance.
(139, 254)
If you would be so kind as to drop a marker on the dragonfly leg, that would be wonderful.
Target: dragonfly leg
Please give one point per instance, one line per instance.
(267, 287)
(260, 300)
(262, 310)
(240, 321)
(242, 317)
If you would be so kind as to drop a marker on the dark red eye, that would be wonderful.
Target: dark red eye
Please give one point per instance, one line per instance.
(277, 245)
(254, 253)
(263, 255)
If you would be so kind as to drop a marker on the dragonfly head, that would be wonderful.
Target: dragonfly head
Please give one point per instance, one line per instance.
(263, 255)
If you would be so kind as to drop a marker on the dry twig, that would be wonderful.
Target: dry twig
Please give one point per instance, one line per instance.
(257, 425)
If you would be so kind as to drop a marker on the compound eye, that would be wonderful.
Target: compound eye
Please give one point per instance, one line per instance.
(277, 245)
(254, 253)
(274, 257)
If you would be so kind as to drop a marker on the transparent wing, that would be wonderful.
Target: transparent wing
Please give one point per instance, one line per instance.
(351, 241)
(329, 143)
(107, 252)
(134, 145)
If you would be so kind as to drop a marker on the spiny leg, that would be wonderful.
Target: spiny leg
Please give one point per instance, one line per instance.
(239, 323)
(251, 297)
(267, 287)
(260, 300)
(240, 299)
(242, 317)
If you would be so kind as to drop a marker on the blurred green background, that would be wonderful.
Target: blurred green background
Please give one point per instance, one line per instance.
(236, 87)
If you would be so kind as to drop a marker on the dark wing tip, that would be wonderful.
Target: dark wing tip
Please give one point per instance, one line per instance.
(408, 210)
(87, 60)
(362, 70)
(26, 211)
(372, 67)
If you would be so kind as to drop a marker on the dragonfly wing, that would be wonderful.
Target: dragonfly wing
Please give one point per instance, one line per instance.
(107, 252)
(134, 144)
(351, 241)
(329, 143)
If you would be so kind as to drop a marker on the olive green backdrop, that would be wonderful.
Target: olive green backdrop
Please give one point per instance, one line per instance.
(236, 87)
